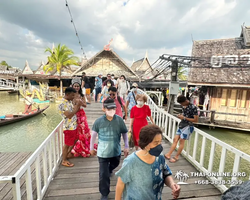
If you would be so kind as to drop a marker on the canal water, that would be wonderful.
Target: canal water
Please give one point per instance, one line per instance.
(27, 135)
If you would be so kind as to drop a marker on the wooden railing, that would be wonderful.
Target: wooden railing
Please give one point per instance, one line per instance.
(208, 154)
(35, 175)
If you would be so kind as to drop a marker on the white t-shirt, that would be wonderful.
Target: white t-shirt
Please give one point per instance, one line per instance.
(123, 87)
(28, 100)
(114, 81)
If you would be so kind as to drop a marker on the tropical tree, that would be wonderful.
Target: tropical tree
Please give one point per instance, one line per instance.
(61, 57)
(182, 73)
(4, 63)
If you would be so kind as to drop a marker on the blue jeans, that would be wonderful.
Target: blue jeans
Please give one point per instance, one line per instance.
(106, 166)
(97, 91)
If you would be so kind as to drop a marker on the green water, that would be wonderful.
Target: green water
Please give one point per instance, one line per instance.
(26, 135)
(238, 139)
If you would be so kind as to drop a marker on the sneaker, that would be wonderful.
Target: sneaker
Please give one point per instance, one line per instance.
(104, 197)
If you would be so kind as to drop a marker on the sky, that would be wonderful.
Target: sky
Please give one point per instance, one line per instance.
(28, 27)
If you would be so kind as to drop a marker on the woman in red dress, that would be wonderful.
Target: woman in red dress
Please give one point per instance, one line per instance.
(82, 146)
(138, 115)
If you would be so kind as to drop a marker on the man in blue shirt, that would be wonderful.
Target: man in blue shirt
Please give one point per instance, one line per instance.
(131, 102)
(98, 86)
(109, 128)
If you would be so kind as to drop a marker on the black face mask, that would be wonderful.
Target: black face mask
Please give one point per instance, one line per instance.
(156, 151)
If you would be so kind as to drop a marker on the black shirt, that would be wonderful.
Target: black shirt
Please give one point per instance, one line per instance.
(86, 82)
(189, 112)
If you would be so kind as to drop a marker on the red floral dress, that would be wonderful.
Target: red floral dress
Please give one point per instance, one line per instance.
(82, 146)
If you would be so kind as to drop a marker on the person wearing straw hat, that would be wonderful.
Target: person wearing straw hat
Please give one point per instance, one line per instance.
(28, 103)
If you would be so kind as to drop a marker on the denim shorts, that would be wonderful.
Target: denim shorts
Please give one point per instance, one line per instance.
(185, 132)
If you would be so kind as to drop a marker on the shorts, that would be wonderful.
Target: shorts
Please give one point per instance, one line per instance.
(70, 136)
(185, 132)
(87, 91)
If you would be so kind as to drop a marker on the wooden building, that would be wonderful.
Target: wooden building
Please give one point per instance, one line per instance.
(106, 61)
(143, 68)
(228, 86)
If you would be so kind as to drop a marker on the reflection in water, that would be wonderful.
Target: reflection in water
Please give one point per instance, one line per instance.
(25, 135)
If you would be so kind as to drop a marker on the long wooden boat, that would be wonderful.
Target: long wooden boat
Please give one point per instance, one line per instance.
(8, 119)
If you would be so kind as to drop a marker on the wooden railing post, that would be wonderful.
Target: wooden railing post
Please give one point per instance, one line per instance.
(212, 117)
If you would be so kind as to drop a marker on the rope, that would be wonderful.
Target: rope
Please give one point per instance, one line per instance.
(72, 21)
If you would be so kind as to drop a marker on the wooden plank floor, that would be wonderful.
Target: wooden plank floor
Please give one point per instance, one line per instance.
(9, 164)
(81, 181)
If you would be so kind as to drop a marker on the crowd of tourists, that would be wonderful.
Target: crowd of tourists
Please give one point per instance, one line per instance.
(120, 102)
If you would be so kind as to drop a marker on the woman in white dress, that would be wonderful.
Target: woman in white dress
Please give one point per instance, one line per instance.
(123, 87)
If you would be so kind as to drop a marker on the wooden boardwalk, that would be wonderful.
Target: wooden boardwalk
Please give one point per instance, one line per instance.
(9, 164)
(81, 181)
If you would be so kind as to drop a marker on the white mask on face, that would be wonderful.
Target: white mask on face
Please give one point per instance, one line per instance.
(134, 89)
(112, 77)
(110, 113)
(140, 103)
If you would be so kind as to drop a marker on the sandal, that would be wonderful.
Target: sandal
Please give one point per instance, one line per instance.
(173, 160)
(168, 158)
(67, 164)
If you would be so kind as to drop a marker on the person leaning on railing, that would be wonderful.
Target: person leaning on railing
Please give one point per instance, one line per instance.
(144, 172)
(186, 128)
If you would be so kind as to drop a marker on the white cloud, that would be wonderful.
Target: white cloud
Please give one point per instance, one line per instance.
(28, 27)
(120, 43)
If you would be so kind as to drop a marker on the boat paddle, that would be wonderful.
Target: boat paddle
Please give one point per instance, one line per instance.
(33, 104)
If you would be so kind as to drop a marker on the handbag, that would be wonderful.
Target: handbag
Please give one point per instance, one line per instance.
(130, 140)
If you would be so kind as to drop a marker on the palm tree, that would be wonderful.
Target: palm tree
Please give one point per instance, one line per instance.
(60, 58)
(185, 176)
(182, 73)
(179, 175)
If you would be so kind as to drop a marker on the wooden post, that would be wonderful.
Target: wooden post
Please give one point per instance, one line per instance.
(17, 82)
(61, 88)
(23, 83)
(212, 117)
(174, 74)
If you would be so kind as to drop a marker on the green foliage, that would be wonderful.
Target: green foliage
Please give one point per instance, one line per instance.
(4, 63)
(182, 73)
(60, 58)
